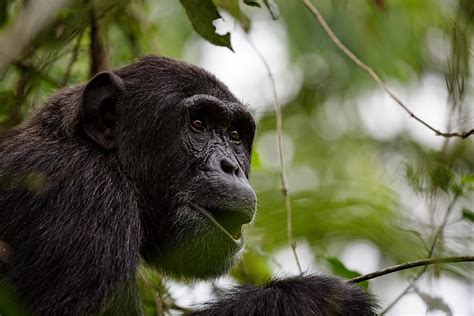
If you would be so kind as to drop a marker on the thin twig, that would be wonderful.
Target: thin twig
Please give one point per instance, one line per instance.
(409, 265)
(283, 176)
(317, 15)
(430, 254)
(440, 229)
(402, 294)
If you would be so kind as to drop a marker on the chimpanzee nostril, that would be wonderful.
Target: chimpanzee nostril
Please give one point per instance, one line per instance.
(229, 166)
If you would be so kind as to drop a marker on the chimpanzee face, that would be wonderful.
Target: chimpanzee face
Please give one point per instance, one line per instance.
(185, 141)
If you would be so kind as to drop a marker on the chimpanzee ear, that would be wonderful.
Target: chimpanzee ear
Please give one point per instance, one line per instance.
(99, 108)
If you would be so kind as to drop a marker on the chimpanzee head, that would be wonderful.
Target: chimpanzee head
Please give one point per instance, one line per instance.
(184, 142)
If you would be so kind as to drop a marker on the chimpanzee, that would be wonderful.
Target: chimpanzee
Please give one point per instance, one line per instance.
(149, 161)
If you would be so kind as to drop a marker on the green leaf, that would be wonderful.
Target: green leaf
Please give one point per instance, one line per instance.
(467, 182)
(467, 179)
(468, 214)
(252, 3)
(253, 269)
(441, 177)
(256, 163)
(338, 268)
(456, 189)
(202, 13)
(233, 7)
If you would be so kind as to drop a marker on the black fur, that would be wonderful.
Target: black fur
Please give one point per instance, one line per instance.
(300, 295)
(115, 170)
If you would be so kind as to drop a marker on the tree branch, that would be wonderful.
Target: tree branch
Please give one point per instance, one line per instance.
(98, 48)
(409, 265)
(320, 19)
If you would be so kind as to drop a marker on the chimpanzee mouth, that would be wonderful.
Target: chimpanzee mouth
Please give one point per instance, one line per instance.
(230, 222)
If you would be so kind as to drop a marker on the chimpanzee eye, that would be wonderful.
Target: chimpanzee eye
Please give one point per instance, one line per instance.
(234, 135)
(198, 124)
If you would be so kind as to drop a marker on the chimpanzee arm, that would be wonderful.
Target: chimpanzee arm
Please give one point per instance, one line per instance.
(300, 295)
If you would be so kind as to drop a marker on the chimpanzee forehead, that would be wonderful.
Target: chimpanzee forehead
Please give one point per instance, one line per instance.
(173, 77)
(227, 108)
(162, 83)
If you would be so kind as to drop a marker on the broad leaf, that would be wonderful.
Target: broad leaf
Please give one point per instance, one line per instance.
(202, 14)
(338, 268)
(233, 7)
(467, 214)
(467, 179)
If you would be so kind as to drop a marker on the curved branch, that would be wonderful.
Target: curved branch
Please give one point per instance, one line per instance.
(319, 18)
(409, 265)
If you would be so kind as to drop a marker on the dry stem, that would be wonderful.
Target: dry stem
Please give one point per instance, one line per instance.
(281, 160)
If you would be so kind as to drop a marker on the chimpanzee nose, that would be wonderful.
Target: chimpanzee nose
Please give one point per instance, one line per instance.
(229, 166)
(230, 181)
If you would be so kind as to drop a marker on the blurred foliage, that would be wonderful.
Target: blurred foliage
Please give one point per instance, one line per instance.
(338, 268)
(9, 304)
(347, 184)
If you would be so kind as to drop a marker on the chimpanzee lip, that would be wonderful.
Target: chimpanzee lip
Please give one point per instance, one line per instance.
(236, 236)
